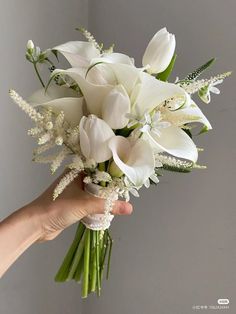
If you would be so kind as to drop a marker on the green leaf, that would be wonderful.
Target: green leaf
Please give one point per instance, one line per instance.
(195, 74)
(163, 76)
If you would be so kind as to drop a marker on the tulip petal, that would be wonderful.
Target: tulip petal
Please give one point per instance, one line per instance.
(174, 141)
(78, 53)
(72, 108)
(159, 51)
(115, 107)
(94, 137)
(152, 93)
(135, 160)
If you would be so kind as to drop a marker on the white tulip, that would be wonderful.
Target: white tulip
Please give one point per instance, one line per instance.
(134, 158)
(159, 51)
(94, 137)
(115, 107)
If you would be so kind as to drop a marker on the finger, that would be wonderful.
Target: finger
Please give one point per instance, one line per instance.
(122, 208)
(96, 206)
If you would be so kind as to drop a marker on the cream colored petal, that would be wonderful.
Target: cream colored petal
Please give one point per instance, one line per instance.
(78, 53)
(174, 141)
(135, 160)
(72, 108)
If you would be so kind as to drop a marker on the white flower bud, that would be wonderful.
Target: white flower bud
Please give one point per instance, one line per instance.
(94, 137)
(159, 51)
(30, 45)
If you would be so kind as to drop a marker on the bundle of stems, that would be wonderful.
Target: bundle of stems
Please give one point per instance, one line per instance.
(86, 259)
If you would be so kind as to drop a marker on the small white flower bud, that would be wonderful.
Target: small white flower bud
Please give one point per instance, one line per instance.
(30, 45)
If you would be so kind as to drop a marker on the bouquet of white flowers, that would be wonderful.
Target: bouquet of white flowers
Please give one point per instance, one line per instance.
(118, 124)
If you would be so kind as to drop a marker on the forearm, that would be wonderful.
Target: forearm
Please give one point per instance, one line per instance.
(17, 233)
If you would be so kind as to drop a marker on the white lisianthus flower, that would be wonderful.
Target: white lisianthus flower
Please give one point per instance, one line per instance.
(134, 158)
(159, 51)
(94, 137)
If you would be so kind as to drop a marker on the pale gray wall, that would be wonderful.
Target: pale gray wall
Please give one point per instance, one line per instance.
(28, 287)
(178, 248)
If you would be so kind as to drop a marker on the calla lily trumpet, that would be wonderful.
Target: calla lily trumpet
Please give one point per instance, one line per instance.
(134, 158)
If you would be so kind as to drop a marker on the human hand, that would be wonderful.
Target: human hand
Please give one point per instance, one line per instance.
(52, 217)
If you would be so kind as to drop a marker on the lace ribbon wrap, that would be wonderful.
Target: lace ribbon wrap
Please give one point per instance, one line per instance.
(100, 221)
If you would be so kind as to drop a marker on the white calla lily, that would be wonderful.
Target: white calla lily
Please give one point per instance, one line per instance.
(187, 113)
(114, 57)
(151, 93)
(94, 137)
(53, 92)
(71, 106)
(174, 141)
(134, 159)
(115, 107)
(159, 51)
(78, 53)
(93, 94)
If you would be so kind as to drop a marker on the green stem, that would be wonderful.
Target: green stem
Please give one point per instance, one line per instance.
(109, 255)
(62, 273)
(86, 264)
(78, 273)
(104, 253)
(77, 257)
(93, 257)
(98, 264)
(37, 72)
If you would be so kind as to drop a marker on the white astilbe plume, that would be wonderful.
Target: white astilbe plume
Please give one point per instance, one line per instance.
(90, 38)
(34, 132)
(46, 137)
(44, 159)
(64, 182)
(26, 107)
(77, 163)
(59, 159)
(43, 148)
(195, 86)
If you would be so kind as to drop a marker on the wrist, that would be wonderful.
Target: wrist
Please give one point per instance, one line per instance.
(31, 215)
